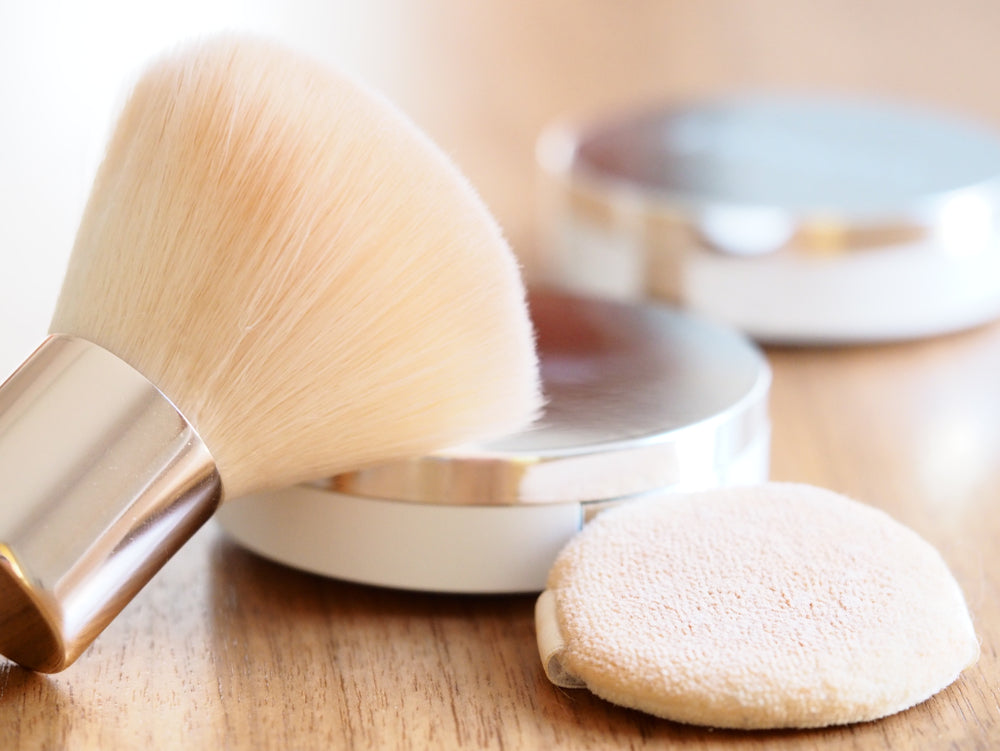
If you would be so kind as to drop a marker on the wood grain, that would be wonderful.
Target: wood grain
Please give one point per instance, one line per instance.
(226, 650)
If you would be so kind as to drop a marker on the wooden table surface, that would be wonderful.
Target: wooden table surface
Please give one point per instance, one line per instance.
(226, 650)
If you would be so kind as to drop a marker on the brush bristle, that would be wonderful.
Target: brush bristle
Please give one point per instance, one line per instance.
(308, 279)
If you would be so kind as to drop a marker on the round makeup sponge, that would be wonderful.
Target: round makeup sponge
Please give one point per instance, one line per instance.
(772, 606)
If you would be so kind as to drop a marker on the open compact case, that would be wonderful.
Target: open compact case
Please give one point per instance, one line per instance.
(797, 219)
(641, 398)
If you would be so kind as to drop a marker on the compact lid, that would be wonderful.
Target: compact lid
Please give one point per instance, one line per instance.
(751, 172)
(639, 398)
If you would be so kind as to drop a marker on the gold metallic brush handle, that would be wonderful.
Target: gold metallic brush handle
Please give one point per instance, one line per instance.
(101, 481)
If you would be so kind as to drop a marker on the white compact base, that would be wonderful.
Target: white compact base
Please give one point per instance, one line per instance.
(422, 546)
(407, 545)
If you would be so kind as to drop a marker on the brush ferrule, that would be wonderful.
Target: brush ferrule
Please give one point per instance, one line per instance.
(101, 481)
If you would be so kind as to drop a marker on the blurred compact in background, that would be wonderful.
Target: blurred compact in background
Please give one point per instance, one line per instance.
(796, 219)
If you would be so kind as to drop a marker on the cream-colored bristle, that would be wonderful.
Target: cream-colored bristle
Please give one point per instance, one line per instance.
(308, 279)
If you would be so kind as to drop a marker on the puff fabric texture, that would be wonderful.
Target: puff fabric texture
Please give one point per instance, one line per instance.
(774, 606)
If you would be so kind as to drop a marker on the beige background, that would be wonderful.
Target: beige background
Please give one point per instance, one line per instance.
(482, 77)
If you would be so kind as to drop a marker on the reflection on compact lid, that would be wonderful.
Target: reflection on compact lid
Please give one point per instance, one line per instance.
(805, 154)
(639, 398)
(643, 401)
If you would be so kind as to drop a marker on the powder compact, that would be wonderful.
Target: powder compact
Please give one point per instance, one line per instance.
(798, 219)
(641, 399)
